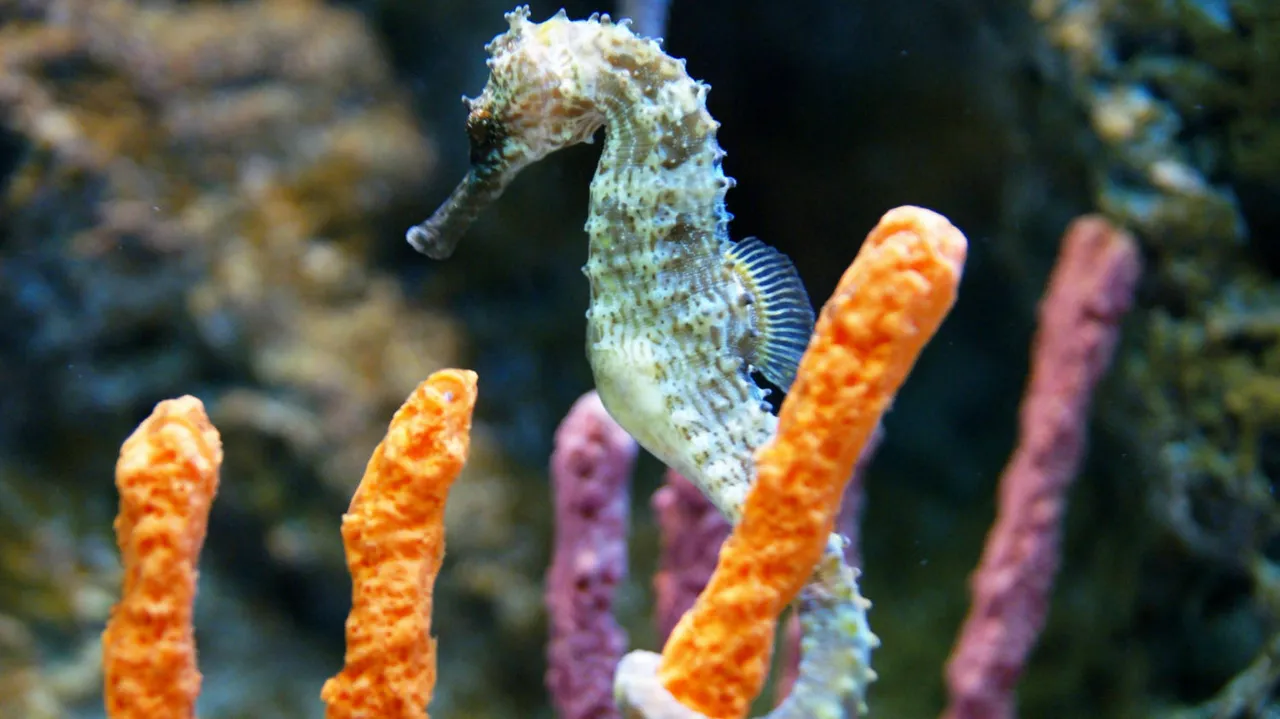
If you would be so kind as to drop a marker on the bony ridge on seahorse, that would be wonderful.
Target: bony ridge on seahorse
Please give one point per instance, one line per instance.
(679, 315)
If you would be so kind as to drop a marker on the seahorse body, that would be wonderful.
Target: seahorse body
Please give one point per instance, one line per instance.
(679, 315)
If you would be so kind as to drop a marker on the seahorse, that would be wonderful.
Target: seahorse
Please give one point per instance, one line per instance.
(680, 315)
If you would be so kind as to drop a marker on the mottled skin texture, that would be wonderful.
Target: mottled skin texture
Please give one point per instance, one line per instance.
(671, 325)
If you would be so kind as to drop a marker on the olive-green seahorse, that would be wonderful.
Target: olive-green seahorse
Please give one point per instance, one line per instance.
(679, 314)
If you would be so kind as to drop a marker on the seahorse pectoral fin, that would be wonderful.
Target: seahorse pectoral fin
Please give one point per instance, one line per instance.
(782, 316)
(439, 235)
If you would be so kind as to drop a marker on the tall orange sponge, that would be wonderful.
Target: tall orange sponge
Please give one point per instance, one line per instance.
(394, 536)
(167, 476)
(888, 305)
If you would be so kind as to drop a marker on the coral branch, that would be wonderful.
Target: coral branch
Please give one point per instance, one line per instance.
(394, 537)
(591, 472)
(889, 303)
(167, 476)
(1089, 292)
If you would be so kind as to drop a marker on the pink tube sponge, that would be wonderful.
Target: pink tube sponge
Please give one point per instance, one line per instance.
(590, 471)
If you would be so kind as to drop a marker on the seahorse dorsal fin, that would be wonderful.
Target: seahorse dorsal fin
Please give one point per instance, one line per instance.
(781, 315)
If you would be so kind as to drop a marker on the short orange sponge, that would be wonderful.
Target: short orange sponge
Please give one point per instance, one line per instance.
(394, 537)
(167, 476)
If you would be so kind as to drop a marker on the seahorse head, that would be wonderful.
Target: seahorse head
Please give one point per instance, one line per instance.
(540, 93)
(537, 101)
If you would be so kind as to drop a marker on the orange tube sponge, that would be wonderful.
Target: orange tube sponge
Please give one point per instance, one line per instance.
(167, 476)
(888, 304)
(394, 537)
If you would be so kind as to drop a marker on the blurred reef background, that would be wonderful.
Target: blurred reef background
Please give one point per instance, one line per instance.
(210, 198)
